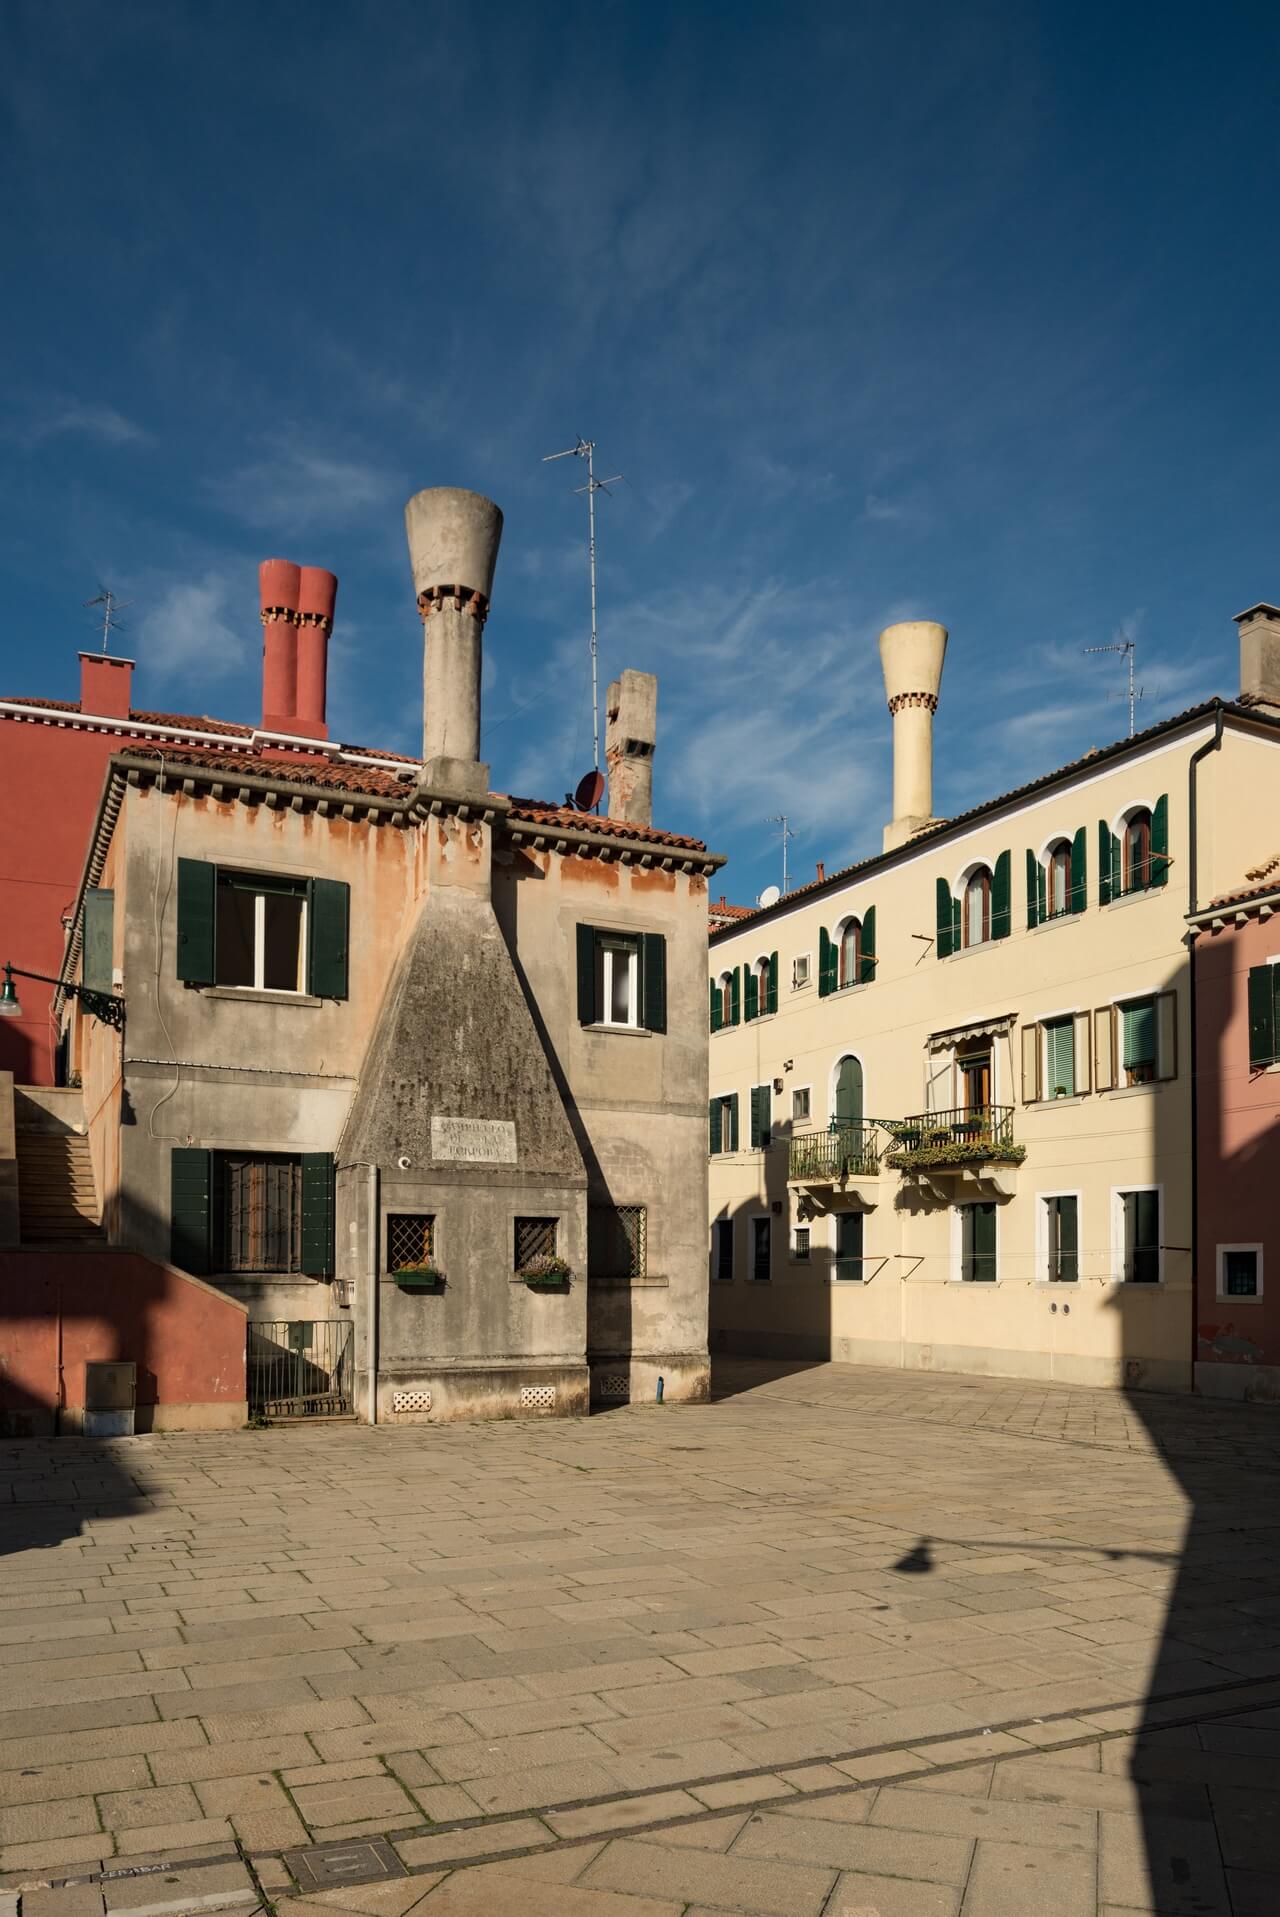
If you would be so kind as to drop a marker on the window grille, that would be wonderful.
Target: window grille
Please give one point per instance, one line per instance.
(535, 1238)
(617, 1241)
(411, 1238)
(802, 1243)
(262, 1213)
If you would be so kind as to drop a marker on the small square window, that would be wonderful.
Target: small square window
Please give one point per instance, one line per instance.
(535, 1238)
(802, 1244)
(616, 1241)
(800, 1103)
(1239, 1271)
(799, 971)
(411, 1238)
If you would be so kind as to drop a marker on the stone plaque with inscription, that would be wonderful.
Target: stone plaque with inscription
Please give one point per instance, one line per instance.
(473, 1141)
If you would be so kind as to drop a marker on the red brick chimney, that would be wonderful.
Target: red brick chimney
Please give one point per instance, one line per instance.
(106, 685)
(279, 582)
(317, 595)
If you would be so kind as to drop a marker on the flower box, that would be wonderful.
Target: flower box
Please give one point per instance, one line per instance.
(547, 1274)
(418, 1278)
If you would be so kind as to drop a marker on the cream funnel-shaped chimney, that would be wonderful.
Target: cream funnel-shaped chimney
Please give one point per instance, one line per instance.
(911, 656)
(453, 545)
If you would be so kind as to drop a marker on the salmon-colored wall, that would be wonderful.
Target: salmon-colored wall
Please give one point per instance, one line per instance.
(187, 1340)
(1238, 1139)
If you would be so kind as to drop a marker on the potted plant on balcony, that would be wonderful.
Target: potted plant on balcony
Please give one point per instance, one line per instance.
(419, 1276)
(548, 1272)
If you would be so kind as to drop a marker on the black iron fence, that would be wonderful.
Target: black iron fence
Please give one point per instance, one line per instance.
(300, 1368)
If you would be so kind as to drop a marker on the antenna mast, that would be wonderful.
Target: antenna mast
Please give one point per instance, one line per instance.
(1128, 647)
(780, 818)
(110, 607)
(585, 449)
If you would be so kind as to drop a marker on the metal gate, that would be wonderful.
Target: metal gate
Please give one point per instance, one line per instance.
(300, 1368)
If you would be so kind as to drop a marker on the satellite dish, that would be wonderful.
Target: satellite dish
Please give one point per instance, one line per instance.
(590, 791)
(769, 896)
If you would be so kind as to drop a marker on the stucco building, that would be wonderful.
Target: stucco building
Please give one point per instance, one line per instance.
(951, 1110)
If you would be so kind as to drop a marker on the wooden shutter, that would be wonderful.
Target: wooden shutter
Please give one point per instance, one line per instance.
(1117, 866)
(1166, 1034)
(586, 947)
(826, 963)
(751, 995)
(984, 1241)
(715, 996)
(1078, 896)
(191, 1208)
(944, 926)
(653, 982)
(1262, 1015)
(732, 1114)
(1160, 841)
(1002, 896)
(1104, 1048)
(735, 995)
(1033, 890)
(772, 1002)
(1068, 1240)
(1042, 892)
(317, 1214)
(1146, 1242)
(867, 955)
(328, 925)
(760, 1117)
(99, 914)
(1031, 1049)
(197, 905)
(715, 1113)
(1084, 1074)
(1104, 863)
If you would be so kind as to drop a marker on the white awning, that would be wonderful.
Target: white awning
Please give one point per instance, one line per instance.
(994, 1027)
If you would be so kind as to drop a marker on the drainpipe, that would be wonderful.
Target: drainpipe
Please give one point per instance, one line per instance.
(1201, 752)
(371, 1278)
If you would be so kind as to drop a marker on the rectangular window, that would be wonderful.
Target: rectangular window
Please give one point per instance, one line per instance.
(1059, 1058)
(723, 1115)
(724, 1249)
(251, 1211)
(1140, 1242)
(799, 971)
(761, 1246)
(761, 1117)
(617, 981)
(1138, 1041)
(616, 1236)
(260, 932)
(849, 1225)
(1239, 1271)
(978, 1243)
(802, 1244)
(411, 1239)
(1264, 1025)
(622, 979)
(261, 1211)
(1062, 1238)
(800, 1104)
(534, 1238)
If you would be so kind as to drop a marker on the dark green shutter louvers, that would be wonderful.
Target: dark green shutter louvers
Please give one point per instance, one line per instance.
(826, 963)
(586, 942)
(1104, 863)
(1078, 897)
(197, 895)
(867, 954)
(1033, 890)
(944, 927)
(1160, 841)
(751, 1008)
(653, 997)
(328, 929)
(317, 1214)
(1042, 892)
(715, 1112)
(1262, 1014)
(735, 995)
(772, 1004)
(190, 1208)
(1002, 896)
(715, 1001)
(1068, 1240)
(99, 913)
(732, 1103)
(759, 1116)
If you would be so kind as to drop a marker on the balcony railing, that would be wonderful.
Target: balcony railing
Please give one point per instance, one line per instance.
(934, 1140)
(826, 1158)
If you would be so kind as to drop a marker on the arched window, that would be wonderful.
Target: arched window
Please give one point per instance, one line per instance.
(761, 970)
(1057, 869)
(976, 915)
(850, 952)
(726, 998)
(1137, 850)
(846, 1099)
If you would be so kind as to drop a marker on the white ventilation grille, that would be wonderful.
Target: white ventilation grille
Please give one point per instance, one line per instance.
(411, 1401)
(615, 1384)
(537, 1397)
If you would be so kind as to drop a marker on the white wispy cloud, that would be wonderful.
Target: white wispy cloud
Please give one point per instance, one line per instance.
(188, 633)
(292, 485)
(71, 416)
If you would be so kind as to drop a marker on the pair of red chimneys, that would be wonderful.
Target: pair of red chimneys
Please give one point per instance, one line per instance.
(297, 617)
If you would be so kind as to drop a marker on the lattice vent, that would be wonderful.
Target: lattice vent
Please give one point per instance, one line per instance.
(615, 1384)
(537, 1397)
(411, 1401)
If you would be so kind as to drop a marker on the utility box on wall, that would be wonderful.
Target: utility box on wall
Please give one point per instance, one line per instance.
(110, 1399)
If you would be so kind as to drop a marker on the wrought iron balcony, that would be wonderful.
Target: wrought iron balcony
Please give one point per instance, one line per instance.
(933, 1141)
(830, 1157)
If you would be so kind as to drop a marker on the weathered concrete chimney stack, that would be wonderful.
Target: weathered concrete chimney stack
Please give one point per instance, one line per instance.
(279, 582)
(1260, 655)
(630, 734)
(453, 547)
(911, 655)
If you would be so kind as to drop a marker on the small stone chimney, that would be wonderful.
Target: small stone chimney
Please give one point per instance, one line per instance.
(911, 656)
(1260, 655)
(106, 685)
(453, 547)
(630, 734)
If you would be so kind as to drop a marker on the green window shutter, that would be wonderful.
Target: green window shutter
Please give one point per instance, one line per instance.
(1042, 893)
(1002, 896)
(1068, 1240)
(191, 1208)
(328, 923)
(1117, 867)
(826, 963)
(1033, 890)
(1262, 1014)
(99, 912)
(867, 957)
(751, 1007)
(761, 1116)
(772, 1005)
(715, 1112)
(653, 981)
(735, 995)
(317, 1214)
(715, 993)
(945, 927)
(1160, 841)
(1138, 1021)
(1077, 897)
(732, 1114)
(197, 887)
(1060, 1057)
(586, 945)
(1104, 863)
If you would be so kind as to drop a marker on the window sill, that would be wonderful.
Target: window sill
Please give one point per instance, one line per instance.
(1070, 1098)
(621, 1282)
(759, 1019)
(619, 1031)
(1135, 897)
(1059, 918)
(1137, 1091)
(249, 994)
(844, 991)
(1236, 1298)
(967, 951)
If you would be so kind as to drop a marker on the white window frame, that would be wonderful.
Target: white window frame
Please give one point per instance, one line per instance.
(842, 926)
(1047, 1094)
(1044, 858)
(260, 943)
(801, 1118)
(724, 986)
(760, 972)
(798, 982)
(758, 1217)
(611, 947)
(1042, 1237)
(959, 889)
(957, 1251)
(1118, 1194)
(797, 1256)
(1226, 1297)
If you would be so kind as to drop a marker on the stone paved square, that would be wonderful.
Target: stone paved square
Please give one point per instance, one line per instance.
(841, 1641)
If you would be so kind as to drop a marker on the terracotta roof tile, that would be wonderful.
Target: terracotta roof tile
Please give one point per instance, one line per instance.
(194, 722)
(1262, 891)
(538, 812)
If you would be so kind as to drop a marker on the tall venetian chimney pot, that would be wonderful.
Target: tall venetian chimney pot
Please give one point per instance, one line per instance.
(453, 547)
(911, 656)
(630, 735)
(1260, 655)
(279, 581)
(317, 596)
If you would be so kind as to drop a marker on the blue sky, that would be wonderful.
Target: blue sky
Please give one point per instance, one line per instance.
(961, 313)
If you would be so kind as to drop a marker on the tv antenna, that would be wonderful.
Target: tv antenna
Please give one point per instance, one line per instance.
(585, 449)
(780, 818)
(1128, 647)
(110, 607)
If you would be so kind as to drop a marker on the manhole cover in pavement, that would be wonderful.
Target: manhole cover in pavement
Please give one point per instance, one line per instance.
(324, 1866)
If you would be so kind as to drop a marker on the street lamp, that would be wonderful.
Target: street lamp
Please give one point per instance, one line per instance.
(100, 1005)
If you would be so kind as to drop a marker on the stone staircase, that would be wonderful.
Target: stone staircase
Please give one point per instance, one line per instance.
(57, 1196)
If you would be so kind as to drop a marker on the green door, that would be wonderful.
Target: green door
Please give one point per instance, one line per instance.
(849, 1092)
(849, 1245)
